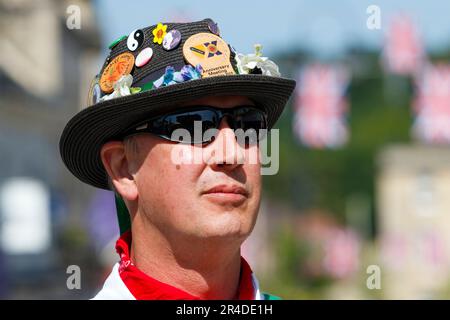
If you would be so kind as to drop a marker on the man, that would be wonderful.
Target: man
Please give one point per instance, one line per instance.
(187, 195)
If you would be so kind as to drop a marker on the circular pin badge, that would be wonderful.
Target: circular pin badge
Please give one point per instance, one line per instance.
(94, 93)
(144, 57)
(171, 40)
(135, 39)
(119, 66)
(211, 52)
(213, 27)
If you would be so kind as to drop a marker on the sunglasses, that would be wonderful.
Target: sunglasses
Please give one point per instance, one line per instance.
(197, 120)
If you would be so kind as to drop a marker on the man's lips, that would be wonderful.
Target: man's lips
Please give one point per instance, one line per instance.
(227, 189)
(226, 194)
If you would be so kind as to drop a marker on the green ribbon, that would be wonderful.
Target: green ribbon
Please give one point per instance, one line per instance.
(122, 214)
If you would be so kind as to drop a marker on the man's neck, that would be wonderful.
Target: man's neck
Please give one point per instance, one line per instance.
(206, 269)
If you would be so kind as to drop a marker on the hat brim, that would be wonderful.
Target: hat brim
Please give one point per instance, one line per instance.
(87, 131)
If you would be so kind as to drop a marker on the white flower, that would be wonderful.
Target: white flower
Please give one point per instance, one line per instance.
(121, 88)
(250, 63)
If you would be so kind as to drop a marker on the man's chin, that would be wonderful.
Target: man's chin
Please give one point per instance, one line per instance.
(224, 226)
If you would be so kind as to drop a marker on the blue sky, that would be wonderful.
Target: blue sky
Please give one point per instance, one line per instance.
(324, 27)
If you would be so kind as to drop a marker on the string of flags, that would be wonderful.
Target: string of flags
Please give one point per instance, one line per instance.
(321, 106)
(431, 105)
(403, 52)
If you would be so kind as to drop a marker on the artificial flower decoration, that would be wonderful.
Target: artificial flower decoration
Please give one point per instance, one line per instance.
(255, 63)
(188, 72)
(171, 76)
(159, 32)
(122, 88)
(167, 78)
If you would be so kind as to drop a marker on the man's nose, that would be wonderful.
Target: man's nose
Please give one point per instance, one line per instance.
(225, 151)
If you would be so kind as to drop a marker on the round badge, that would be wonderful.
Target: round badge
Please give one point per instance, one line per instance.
(213, 27)
(211, 52)
(171, 40)
(135, 39)
(144, 57)
(119, 66)
(94, 93)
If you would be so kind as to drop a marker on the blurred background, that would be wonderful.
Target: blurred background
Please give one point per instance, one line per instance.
(360, 206)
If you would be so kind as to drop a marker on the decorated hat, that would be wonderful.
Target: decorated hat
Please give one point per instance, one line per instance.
(154, 69)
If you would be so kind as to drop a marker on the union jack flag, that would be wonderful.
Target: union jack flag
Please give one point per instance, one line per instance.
(432, 105)
(403, 52)
(342, 251)
(320, 106)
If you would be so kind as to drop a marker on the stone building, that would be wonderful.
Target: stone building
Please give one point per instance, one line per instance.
(413, 206)
(45, 70)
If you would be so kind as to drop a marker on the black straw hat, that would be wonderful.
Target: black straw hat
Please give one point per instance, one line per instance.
(153, 70)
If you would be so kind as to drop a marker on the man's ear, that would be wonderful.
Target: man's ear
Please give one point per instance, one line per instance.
(117, 166)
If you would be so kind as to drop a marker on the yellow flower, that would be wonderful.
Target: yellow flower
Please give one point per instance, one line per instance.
(159, 32)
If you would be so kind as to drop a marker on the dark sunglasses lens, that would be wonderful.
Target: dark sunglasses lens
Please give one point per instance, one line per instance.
(251, 121)
(249, 118)
(194, 123)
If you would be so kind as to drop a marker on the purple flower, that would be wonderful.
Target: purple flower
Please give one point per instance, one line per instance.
(188, 72)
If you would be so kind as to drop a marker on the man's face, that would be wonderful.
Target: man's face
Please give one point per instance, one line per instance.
(217, 197)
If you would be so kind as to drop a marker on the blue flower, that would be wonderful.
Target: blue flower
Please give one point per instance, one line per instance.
(166, 79)
(168, 76)
(186, 73)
